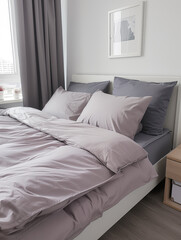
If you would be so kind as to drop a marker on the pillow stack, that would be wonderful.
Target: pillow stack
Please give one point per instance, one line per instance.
(134, 104)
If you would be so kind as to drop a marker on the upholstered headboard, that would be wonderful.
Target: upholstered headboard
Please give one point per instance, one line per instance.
(173, 117)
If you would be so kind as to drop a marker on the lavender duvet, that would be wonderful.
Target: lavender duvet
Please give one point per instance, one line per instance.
(47, 163)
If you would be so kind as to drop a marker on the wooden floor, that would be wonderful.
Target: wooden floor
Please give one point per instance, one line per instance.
(148, 220)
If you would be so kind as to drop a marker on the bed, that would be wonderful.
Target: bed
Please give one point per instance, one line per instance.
(49, 224)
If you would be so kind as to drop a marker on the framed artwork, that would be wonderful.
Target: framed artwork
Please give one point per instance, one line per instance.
(125, 31)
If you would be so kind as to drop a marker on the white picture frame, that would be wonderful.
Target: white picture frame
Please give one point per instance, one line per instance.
(125, 31)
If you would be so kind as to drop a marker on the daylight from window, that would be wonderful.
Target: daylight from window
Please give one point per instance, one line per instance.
(6, 51)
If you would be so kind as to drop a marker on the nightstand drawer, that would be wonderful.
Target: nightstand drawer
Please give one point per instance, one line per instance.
(176, 192)
(173, 170)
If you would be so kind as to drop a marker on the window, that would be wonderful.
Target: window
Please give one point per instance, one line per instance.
(9, 71)
(7, 65)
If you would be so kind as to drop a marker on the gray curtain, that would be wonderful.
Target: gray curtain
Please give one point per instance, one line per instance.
(40, 49)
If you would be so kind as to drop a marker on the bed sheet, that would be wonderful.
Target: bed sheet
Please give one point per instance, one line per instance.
(156, 146)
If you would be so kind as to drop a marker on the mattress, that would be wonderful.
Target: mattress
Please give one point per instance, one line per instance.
(156, 146)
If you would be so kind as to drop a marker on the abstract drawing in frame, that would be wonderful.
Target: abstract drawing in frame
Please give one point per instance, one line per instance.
(125, 31)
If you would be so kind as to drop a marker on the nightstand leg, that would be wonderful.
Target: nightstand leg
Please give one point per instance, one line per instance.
(167, 190)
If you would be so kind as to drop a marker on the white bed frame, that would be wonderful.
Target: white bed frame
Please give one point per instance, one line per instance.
(98, 227)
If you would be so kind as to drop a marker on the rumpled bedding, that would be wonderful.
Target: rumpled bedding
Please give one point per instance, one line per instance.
(46, 163)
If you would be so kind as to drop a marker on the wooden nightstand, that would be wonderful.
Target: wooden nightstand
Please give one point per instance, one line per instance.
(173, 171)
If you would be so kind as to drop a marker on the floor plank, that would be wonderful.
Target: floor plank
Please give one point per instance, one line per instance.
(148, 220)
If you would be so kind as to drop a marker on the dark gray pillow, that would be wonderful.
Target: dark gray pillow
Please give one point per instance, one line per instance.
(89, 87)
(154, 117)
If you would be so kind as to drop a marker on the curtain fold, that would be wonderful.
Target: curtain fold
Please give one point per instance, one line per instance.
(40, 49)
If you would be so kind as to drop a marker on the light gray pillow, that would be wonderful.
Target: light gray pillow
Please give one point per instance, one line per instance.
(119, 114)
(66, 105)
(154, 117)
(89, 87)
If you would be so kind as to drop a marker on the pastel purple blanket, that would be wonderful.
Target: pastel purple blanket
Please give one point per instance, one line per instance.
(46, 163)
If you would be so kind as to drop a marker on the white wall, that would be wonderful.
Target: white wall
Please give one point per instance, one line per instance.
(88, 42)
